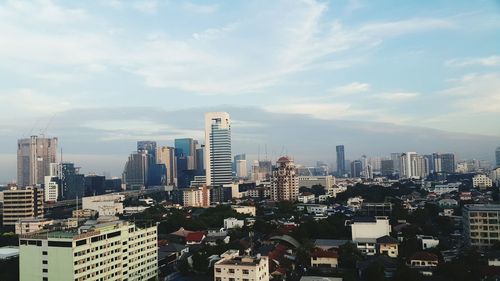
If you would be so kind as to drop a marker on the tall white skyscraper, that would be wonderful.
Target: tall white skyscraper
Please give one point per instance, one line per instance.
(218, 159)
(407, 169)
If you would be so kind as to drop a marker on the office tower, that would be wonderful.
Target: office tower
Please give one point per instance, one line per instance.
(340, 160)
(386, 167)
(396, 159)
(448, 163)
(72, 183)
(185, 153)
(165, 155)
(265, 169)
(497, 157)
(232, 266)
(240, 166)
(116, 250)
(218, 158)
(285, 181)
(94, 185)
(419, 167)
(481, 224)
(200, 163)
(34, 156)
(148, 146)
(356, 168)
(135, 173)
(22, 203)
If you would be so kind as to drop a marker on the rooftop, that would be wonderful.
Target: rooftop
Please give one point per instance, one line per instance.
(241, 260)
(481, 207)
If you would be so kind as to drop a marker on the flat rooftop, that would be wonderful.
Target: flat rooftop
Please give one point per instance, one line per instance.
(483, 207)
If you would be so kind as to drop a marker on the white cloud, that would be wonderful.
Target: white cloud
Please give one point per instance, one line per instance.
(28, 101)
(482, 61)
(147, 6)
(352, 88)
(397, 96)
(326, 111)
(214, 33)
(413, 25)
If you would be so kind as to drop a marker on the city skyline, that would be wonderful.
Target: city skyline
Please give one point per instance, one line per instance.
(351, 69)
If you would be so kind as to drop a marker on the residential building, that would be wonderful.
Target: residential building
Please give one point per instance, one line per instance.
(34, 156)
(230, 223)
(115, 250)
(388, 245)
(24, 226)
(481, 181)
(356, 168)
(386, 167)
(234, 267)
(424, 262)
(481, 224)
(51, 189)
(497, 157)
(366, 230)
(310, 181)
(240, 166)
(105, 205)
(324, 259)
(246, 210)
(408, 165)
(22, 203)
(340, 160)
(196, 197)
(285, 183)
(218, 160)
(427, 242)
(195, 238)
(371, 209)
(306, 197)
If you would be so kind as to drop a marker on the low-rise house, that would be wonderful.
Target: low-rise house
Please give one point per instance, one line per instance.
(324, 259)
(195, 238)
(24, 226)
(387, 245)
(329, 244)
(230, 223)
(233, 267)
(493, 258)
(428, 242)
(306, 197)
(447, 203)
(246, 210)
(312, 208)
(424, 262)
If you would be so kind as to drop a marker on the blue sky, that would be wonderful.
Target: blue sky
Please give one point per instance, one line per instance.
(425, 64)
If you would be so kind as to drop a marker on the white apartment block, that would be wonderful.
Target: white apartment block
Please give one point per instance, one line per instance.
(246, 210)
(481, 224)
(115, 250)
(481, 181)
(373, 228)
(233, 267)
(51, 189)
(196, 197)
(233, 223)
(310, 181)
(105, 205)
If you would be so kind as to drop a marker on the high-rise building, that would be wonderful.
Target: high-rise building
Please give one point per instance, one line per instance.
(408, 165)
(165, 155)
(396, 159)
(72, 182)
(240, 166)
(497, 157)
(285, 181)
(34, 156)
(136, 171)
(200, 163)
(356, 168)
(94, 185)
(218, 160)
(448, 163)
(115, 250)
(386, 167)
(481, 224)
(196, 197)
(340, 160)
(22, 203)
(185, 153)
(147, 146)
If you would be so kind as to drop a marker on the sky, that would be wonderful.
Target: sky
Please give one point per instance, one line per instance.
(297, 77)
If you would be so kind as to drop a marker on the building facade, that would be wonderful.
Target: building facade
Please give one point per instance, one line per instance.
(481, 224)
(109, 251)
(234, 267)
(340, 160)
(218, 159)
(166, 155)
(136, 171)
(26, 203)
(285, 182)
(34, 156)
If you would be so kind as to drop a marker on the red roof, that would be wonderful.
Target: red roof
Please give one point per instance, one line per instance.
(319, 253)
(424, 256)
(195, 236)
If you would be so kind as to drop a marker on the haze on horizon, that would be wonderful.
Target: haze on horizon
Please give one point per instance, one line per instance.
(296, 76)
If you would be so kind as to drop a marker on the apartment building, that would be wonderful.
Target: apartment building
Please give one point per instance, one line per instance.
(196, 197)
(481, 224)
(114, 250)
(25, 203)
(105, 205)
(233, 267)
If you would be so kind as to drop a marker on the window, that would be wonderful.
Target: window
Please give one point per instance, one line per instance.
(245, 271)
(45, 270)
(231, 270)
(44, 253)
(44, 262)
(217, 270)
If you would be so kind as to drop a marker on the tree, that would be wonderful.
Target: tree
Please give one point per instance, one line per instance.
(349, 255)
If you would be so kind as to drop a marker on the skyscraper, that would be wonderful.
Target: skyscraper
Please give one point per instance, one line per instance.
(165, 155)
(448, 163)
(185, 153)
(218, 160)
(239, 160)
(34, 156)
(408, 165)
(148, 146)
(285, 182)
(135, 173)
(497, 157)
(356, 168)
(340, 160)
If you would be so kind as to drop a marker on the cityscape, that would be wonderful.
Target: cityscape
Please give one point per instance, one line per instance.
(295, 140)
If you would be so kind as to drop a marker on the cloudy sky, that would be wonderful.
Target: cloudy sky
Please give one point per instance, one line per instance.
(377, 77)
